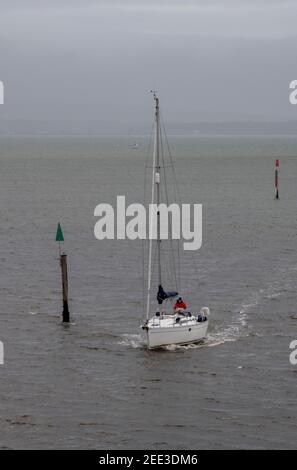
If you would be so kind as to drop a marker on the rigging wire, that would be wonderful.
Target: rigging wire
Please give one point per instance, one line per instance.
(178, 199)
(144, 244)
(193, 260)
(172, 263)
(172, 257)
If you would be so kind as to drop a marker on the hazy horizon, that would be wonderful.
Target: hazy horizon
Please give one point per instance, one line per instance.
(68, 64)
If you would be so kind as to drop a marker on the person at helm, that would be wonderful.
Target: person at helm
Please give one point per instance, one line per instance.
(179, 305)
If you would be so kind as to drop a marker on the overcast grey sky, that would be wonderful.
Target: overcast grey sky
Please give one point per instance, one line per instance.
(211, 60)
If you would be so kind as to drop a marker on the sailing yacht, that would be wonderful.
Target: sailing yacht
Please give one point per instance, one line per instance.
(166, 325)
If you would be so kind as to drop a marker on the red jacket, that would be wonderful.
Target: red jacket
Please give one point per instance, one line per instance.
(180, 304)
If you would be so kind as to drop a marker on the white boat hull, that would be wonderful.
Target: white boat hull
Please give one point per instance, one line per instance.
(177, 334)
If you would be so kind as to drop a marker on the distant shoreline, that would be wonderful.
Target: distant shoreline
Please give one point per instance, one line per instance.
(102, 129)
(190, 135)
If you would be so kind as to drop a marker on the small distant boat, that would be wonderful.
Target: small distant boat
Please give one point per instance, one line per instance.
(135, 145)
(167, 325)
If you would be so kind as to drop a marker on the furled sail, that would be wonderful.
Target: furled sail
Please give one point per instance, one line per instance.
(162, 295)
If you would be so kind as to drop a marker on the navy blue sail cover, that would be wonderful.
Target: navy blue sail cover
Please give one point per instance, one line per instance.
(162, 295)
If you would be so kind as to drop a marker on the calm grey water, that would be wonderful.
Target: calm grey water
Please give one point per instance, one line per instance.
(94, 385)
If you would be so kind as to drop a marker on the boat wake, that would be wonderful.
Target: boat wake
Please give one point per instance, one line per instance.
(232, 332)
(134, 341)
(236, 329)
(240, 324)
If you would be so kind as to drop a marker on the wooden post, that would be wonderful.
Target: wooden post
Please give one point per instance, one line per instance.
(276, 178)
(63, 263)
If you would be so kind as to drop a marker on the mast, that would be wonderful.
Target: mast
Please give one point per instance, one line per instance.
(155, 182)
